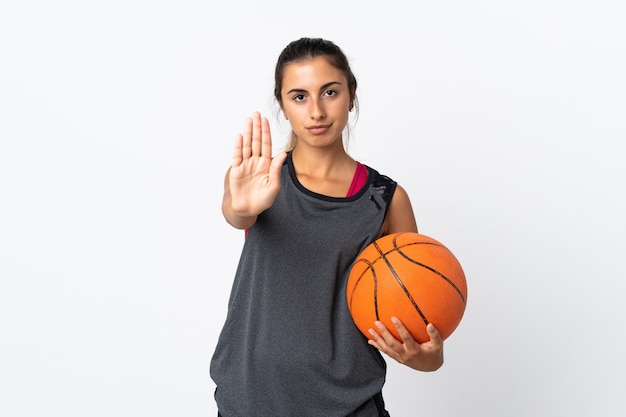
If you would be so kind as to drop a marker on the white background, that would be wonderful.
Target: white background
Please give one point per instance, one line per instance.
(505, 121)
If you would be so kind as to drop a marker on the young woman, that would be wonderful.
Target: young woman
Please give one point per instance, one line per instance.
(289, 346)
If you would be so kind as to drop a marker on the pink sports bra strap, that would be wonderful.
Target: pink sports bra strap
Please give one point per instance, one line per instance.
(359, 179)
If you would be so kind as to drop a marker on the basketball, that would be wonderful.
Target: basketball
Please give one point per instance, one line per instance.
(410, 276)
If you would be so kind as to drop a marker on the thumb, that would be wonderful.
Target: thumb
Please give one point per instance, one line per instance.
(433, 333)
(276, 165)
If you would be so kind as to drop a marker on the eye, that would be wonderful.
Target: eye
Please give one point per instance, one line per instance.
(298, 97)
(330, 93)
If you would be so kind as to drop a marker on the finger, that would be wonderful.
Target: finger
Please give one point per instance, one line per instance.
(389, 338)
(256, 134)
(434, 335)
(377, 341)
(385, 342)
(266, 138)
(275, 167)
(407, 338)
(237, 151)
(246, 149)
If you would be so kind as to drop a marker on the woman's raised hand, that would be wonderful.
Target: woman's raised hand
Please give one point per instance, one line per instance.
(254, 177)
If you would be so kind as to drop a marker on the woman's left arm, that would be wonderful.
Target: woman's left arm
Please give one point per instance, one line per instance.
(400, 217)
(427, 356)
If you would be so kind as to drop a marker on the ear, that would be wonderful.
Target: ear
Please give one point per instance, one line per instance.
(352, 99)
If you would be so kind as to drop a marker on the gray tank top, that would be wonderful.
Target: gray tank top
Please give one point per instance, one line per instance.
(289, 347)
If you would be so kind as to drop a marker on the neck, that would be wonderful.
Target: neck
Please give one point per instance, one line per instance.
(322, 163)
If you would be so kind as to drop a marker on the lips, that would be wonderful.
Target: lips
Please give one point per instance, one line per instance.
(318, 130)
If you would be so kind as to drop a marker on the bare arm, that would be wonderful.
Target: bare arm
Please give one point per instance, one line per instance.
(253, 180)
(400, 217)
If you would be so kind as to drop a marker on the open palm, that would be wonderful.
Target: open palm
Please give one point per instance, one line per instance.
(254, 177)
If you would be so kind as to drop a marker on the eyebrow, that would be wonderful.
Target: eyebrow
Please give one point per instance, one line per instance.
(323, 87)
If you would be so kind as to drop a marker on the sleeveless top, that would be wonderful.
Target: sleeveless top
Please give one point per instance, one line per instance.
(289, 346)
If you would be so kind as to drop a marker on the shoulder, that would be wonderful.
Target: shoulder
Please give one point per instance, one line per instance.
(400, 216)
(382, 184)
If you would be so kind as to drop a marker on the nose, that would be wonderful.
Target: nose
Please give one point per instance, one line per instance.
(316, 109)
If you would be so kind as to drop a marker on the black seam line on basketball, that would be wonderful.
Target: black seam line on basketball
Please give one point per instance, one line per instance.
(404, 288)
(375, 293)
(376, 283)
(398, 249)
(370, 267)
(448, 280)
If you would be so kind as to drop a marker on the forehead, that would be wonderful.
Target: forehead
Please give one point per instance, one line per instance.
(311, 74)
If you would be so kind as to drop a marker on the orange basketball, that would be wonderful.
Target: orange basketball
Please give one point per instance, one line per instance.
(412, 277)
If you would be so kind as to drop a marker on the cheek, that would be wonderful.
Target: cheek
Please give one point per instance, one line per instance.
(292, 111)
(343, 110)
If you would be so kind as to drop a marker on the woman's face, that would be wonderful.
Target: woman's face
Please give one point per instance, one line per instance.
(316, 100)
